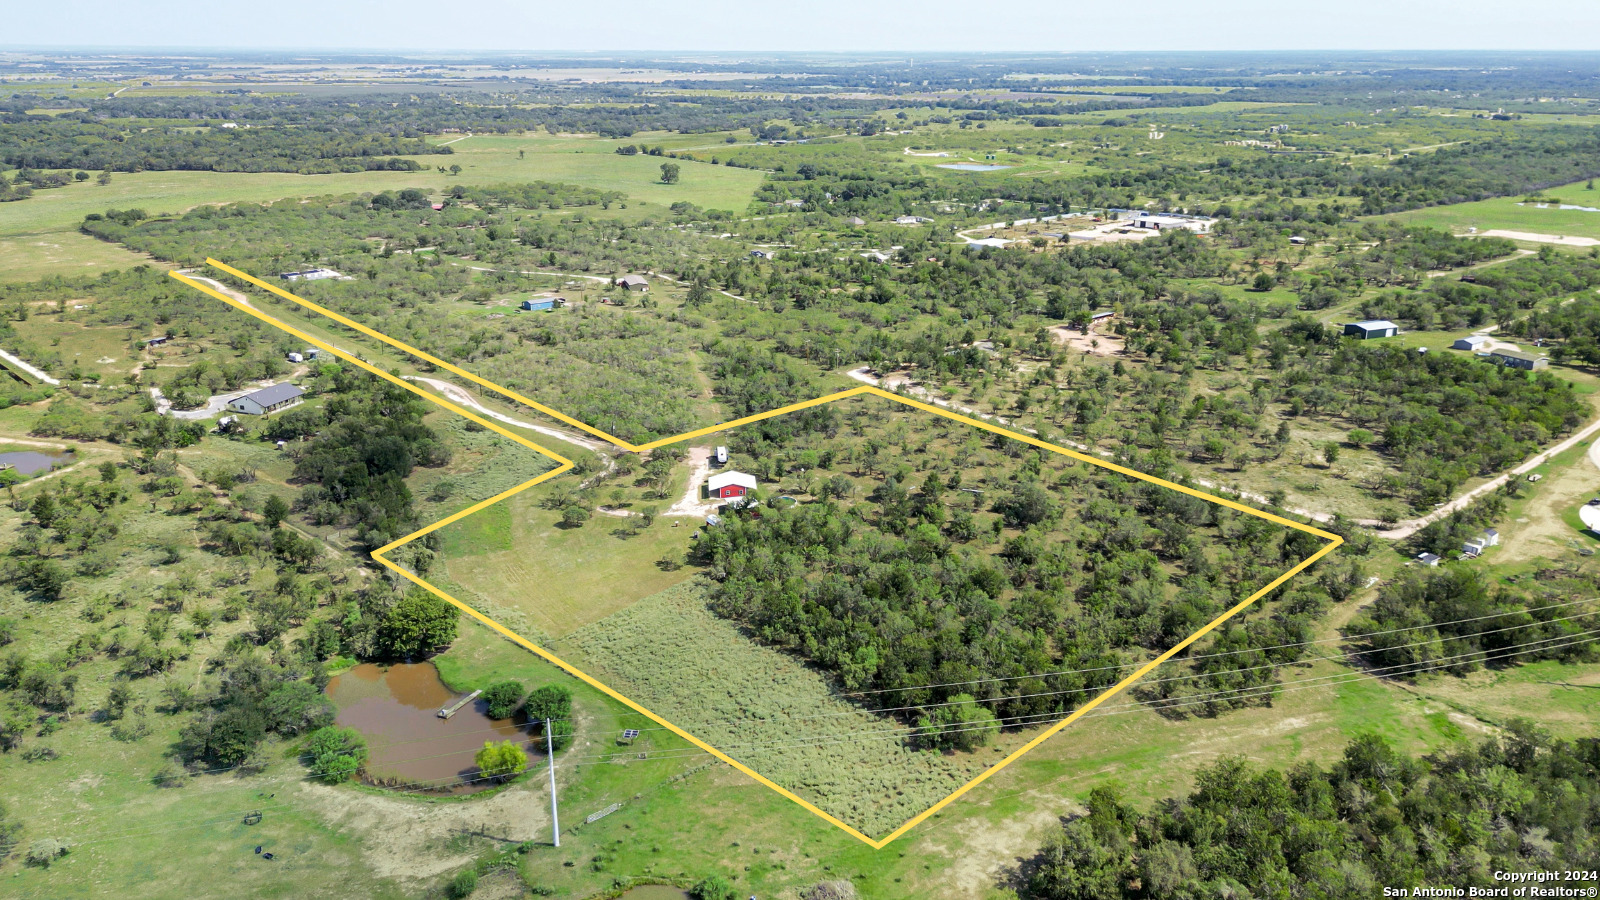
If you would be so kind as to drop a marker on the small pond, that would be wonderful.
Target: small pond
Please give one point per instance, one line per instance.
(29, 462)
(972, 167)
(396, 708)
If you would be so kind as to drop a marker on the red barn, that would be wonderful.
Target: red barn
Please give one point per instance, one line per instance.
(731, 485)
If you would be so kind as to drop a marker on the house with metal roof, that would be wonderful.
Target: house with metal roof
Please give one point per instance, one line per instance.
(730, 485)
(1517, 359)
(267, 400)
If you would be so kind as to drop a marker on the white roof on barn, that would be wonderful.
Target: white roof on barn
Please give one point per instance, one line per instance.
(1371, 324)
(722, 480)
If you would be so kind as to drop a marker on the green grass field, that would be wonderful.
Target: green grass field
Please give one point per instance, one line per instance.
(1506, 213)
(562, 578)
(39, 236)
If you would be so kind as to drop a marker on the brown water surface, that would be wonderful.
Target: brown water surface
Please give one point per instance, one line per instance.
(396, 708)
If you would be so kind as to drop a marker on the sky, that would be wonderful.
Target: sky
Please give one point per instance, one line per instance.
(807, 25)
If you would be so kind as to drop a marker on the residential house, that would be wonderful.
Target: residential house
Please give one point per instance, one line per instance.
(633, 283)
(1429, 559)
(730, 485)
(318, 274)
(267, 400)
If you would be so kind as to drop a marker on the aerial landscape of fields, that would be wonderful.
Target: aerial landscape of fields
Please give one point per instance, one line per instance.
(709, 475)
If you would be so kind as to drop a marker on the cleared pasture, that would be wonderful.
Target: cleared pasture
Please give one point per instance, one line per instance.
(39, 236)
(1512, 214)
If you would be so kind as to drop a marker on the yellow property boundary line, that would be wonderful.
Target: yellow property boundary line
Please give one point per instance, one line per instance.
(563, 465)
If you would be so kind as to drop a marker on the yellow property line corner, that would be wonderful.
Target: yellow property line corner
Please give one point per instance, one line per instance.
(563, 465)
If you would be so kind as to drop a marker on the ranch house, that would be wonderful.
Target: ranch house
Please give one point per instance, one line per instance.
(730, 485)
(266, 400)
(633, 283)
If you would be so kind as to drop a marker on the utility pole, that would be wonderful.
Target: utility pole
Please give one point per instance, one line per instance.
(550, 753)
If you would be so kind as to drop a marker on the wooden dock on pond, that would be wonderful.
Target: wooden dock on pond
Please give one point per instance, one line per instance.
(446, 712)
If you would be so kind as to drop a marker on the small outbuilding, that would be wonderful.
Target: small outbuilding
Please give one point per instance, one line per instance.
(730, 485)
(543, 304)
(267, 400)
(1473, 342)
(633, 283)
(1371, 328)
(1475, 546)
(1429, 559)
(156, 341)
(722, 456)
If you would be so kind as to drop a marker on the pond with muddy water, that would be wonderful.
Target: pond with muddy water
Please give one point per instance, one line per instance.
(396, 708)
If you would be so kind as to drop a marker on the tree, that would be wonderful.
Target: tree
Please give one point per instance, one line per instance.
(1264, 282)
(1360, 437)
(1330, 452)
(1075, 865)
(335, 753)
(699, 292)
(275, 511)
(574, 516)
(41, 577)
(960, 724)
(504, 698)
(420, 623)
(500, 760)
(455, 169)
(669, 173)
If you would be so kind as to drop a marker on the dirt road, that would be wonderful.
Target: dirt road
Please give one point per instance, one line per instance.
(691, 504)
(1397, 532)
(461, 397)
(1536, 237)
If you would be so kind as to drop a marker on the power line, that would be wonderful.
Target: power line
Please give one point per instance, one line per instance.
(1120, 708)
(1063, 692)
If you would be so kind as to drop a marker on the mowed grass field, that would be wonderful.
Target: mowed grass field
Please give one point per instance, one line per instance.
(39, 236)
(1510, 214)
(561, 578)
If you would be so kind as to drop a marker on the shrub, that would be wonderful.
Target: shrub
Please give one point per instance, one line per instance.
(552, 701)
(465, 882)
(503, 697)
(502, 760)
(44, 851)
(713, 887)
(336, 753)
